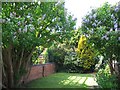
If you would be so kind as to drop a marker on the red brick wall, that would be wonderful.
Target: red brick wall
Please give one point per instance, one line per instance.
(39, 71)
(49, 69)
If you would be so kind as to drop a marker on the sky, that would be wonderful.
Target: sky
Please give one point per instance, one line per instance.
(79, 8)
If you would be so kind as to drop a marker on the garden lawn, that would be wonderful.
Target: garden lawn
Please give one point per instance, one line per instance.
(64, 80)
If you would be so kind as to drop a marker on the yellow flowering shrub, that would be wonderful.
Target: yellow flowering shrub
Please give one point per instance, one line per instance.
(85, 53)
(81, 43)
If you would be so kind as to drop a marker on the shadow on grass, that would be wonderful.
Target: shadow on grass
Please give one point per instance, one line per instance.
(64, 80)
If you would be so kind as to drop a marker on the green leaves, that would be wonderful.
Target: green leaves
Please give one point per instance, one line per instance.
(102, 28)
(43, 18)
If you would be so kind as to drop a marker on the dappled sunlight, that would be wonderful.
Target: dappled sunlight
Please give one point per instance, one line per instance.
(72, 77)
(83, 79)
(91, 82)
(77, 81)
(66, 80)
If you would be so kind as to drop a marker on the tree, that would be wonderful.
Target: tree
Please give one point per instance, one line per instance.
(26, 26)
(85, 53)
(101, 26)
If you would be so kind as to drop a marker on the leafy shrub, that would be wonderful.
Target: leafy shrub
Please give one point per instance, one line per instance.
(72, 62)
(83, 60)
(86, 54)
(57, 55)
(36, 53)
(105, 79)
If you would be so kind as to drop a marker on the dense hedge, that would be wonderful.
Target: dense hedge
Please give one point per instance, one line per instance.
(68, 61)
(57, 55)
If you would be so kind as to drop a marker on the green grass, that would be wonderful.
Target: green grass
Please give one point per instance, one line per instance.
(64, 80)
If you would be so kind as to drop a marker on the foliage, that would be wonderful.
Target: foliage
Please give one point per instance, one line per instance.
(72, 40)
(102, 28)
(45, 55)
(105, 79)
(72, 63)
(41, 24)
(85, 53)
(81, 60)
(57, 55)
(35, 57)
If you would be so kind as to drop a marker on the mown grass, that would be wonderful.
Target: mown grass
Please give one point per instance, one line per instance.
(64, 80)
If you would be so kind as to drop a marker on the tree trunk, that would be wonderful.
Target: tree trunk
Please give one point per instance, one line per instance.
(7, 59)
(111, 67)
(14, 62)
(25, 63)
(118, 73)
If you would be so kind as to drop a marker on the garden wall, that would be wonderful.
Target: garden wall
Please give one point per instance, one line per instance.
(39, 71)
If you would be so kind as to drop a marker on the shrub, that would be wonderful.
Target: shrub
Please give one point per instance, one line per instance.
(86, 54)
(105, 79)
(72, 62)
(36, 53)
(57, 55)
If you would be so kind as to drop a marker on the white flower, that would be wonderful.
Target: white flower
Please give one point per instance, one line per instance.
(43, 17)
(107, 32)
(92, 31)
(111, 29)
(118, 38)
(39, 2)
(96, 21)
(11, 15)
(19, 23)
(116, 9)
(14, 13)
(53, 20)
(115, 25)
(94, 24)
(28, 16)
(40, 27)
(94, 15)
(99, 22)
(39, 21)
(19, 29)
(105, 37)
(21, 8)
(15, 33)
(90, 17)
(112, 16)
(14, 37)
(25, 29)
(8, 19)
(86, 20)
(40, 35)
(32, 28)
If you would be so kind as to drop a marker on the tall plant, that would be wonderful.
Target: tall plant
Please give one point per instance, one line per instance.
(102, 26)
(85, 53)
(27, 25)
